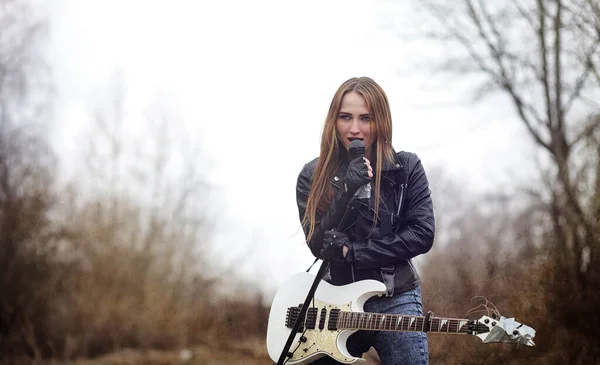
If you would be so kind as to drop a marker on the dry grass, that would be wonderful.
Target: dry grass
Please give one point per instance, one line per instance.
(248, 352)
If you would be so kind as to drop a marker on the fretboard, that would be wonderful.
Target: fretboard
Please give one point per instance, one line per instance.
(397, 322)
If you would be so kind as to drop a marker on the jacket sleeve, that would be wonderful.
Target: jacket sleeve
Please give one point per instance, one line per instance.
(333, 215)
(414, 236)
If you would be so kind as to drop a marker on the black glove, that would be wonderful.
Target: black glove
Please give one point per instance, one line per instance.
(356, 176)
(333, 246)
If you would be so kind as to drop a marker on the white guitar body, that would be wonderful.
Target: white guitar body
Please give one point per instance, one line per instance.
(319, 343)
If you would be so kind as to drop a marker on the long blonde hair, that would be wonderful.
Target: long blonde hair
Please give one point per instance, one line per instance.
(333, 150)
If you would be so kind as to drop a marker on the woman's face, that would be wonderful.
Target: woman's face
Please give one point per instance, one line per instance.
(354, 121)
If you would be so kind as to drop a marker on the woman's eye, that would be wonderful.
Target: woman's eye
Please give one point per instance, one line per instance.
(345, 117)
(366, 118)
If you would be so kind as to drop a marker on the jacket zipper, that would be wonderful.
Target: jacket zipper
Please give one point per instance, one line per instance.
(401, 196)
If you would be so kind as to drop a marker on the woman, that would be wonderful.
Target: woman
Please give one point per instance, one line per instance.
(386, 230)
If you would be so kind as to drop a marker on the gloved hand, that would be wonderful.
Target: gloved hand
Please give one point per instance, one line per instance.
(333, 246)
(357, 175)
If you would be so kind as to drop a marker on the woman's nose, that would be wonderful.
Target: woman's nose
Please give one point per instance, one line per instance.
(354, 128)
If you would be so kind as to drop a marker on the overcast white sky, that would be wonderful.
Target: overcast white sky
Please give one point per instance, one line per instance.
(253, 81)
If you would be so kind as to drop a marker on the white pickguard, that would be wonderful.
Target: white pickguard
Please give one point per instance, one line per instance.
(351, 297)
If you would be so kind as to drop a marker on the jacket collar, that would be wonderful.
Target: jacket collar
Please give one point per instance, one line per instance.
(394, 165)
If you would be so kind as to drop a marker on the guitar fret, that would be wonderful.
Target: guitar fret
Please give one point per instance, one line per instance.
(443, 323)
(462, 324)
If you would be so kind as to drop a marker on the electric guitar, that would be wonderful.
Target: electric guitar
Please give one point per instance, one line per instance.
(337, 311)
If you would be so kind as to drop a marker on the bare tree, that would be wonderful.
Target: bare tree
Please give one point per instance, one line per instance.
(141, 193)
(27, 235)
(545, 57)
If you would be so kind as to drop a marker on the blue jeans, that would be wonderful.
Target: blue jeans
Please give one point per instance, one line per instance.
(393, 348)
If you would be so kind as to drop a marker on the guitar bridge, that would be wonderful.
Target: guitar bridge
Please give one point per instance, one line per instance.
(292, 316)
(294, 312)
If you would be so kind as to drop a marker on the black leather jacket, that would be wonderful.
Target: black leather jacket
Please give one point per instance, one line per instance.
(405, 227)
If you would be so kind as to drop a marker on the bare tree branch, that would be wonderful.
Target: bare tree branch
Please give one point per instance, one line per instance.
(582, 78)
(593, 69)
(543, 54)
(501, 77)
(558, 70)
(589, 129)
(524, 14)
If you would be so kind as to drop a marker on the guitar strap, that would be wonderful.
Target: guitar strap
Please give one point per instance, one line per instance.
(313, 264)
(388, 273)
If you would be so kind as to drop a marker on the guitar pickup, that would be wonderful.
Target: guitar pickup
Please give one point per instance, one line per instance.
(322, 320)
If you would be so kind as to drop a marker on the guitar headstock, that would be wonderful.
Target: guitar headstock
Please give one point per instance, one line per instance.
(503, 330)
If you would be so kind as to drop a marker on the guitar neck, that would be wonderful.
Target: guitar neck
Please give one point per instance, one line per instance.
(399, 323)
